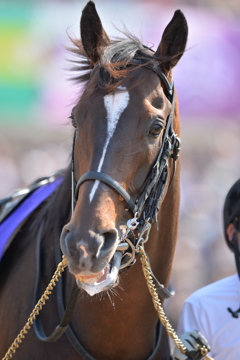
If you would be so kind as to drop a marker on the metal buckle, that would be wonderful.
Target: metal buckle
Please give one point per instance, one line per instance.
(144, 235)
(125, 242)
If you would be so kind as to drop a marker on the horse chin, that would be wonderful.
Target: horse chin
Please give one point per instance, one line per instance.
(104, 280)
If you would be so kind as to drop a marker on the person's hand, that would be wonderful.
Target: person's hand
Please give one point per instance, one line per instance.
(196, 344)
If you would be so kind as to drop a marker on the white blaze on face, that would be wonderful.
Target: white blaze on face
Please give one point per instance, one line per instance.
(115, 104)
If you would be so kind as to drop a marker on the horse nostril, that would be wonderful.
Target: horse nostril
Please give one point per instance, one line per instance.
(65, 231)
(110, 238)
(64, 240)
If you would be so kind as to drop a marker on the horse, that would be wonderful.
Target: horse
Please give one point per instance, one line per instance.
(121, 181)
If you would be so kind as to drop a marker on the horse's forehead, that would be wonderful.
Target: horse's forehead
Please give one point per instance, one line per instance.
(116, 102)
(142, 88)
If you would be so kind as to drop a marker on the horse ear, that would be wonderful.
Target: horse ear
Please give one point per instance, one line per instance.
(93, 35)
(173, 41)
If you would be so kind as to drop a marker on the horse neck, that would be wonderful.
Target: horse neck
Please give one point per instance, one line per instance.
(123, 322)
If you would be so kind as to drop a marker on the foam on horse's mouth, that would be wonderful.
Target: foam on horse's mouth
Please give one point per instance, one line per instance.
(97, 278)
(102, 281)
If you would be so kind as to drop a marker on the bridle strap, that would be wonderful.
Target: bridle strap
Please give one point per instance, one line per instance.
(155, 68)
(153, 192)
(95, 175)
(150, 198)
(154, 189)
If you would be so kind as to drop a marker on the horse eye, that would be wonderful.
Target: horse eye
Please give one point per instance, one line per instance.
(155, 130)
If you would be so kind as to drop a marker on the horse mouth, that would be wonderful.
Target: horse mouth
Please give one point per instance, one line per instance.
(102, 281)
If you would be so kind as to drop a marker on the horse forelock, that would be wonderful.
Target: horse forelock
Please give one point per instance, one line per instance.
(115, 63)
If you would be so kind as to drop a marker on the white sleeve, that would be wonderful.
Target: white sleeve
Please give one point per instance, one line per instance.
(192, 317)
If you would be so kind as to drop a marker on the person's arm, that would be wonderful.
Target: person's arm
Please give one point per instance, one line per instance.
(192, 317)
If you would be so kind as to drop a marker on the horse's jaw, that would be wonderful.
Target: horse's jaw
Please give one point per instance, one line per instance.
(106, 279)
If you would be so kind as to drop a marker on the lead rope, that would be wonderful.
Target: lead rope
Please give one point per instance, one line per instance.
(38, 307)
(156, 301)
(151, 287)
(158, 306)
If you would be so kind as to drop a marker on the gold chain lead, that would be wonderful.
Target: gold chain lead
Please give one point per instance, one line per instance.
(204, 353)
(156, 301)
(151, 287)
(38, 307)
(158, 307)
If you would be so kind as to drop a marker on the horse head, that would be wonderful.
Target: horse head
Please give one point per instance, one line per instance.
(120, 122)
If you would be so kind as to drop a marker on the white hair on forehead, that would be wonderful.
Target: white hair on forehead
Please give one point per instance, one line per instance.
(124, 50)
(115, 103)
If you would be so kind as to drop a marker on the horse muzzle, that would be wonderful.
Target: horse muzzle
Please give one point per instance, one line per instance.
(106, 279)
(92, 258)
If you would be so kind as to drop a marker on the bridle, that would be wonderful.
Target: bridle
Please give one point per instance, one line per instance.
(147, 204)
(144, 210)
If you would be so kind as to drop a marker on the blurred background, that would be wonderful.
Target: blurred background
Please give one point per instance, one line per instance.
(36, 98)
